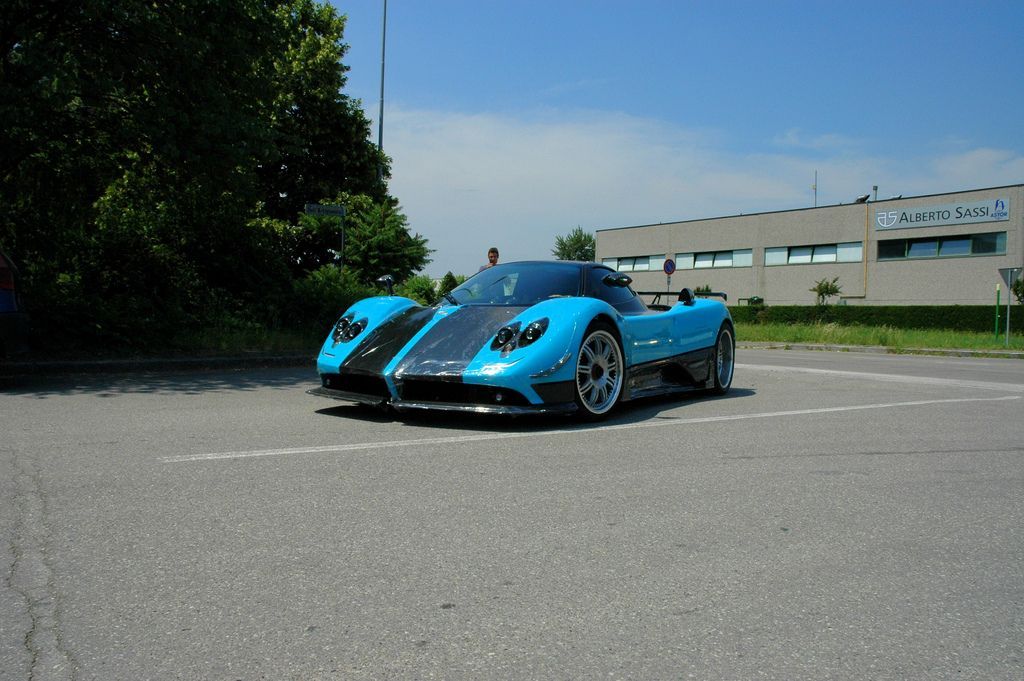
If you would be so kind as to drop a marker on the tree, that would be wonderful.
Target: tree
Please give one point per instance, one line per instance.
(825, 289)
(448, 282)
(576, 245)
(155, 158)
(321, 137)
(378, 241)
(1018, 290)
(420, 288)
(127, 133)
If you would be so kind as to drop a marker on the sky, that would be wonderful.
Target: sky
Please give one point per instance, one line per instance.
(510, 123)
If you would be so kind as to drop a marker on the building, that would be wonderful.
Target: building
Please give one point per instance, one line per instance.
(920, 250)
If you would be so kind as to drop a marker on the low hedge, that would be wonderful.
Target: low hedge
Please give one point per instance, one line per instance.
(979, 318)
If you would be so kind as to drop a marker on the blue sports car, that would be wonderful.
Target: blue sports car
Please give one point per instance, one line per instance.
(528, 337)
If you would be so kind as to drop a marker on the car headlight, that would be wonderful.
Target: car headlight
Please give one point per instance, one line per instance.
(353, 330)
(510, 337)
(533, 331)
(505, 337)
(340, 328)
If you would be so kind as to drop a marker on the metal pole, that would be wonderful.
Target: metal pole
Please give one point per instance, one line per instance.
(1009, 298)
(997, 311)
(380, 121)
(383, 48)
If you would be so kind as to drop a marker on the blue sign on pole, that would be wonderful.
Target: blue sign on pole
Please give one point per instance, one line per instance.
(670, 266)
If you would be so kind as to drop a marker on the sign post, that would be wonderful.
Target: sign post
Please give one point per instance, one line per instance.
(330, 211)
(669, 267)
(325, 209)
(997, 311)
(1010, 275)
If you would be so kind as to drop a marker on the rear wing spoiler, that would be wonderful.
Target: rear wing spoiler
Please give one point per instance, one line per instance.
(686, 296)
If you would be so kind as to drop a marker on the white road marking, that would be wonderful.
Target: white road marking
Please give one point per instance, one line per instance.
(483, 437)
(892, 378)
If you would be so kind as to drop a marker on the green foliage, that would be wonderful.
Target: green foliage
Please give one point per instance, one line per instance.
(706, 288)
(977, 318)
(448, 282)
(576, 245)
(1018, 291)
(323, 295)
(156, 158)
(894, 338)
(378, 242)
(419, 288)
(320, 135)
(825, 289)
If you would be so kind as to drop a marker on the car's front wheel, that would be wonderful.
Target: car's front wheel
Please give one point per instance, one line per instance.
(600, 372)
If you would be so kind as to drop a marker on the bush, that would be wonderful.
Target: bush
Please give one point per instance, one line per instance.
(448, 282)
(824, 289)
(322, 296)
(952, 317)
(419, 288)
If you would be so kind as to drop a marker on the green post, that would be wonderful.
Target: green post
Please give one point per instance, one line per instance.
(997, 311)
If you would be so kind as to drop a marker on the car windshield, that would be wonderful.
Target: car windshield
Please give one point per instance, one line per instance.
(524, 283)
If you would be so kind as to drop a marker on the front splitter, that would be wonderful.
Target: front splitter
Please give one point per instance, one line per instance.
(562, 408)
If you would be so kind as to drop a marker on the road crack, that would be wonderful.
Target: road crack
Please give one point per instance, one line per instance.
(32, 576)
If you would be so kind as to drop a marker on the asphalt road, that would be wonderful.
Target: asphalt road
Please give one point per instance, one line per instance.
(838, 516)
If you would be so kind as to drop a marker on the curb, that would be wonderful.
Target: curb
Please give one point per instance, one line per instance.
(153, 365)
(882, 350)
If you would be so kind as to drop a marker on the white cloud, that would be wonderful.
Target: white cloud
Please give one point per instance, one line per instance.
(796, 138)
(468, 182)
(978, 168)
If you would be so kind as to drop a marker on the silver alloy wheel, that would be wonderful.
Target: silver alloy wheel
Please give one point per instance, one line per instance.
(599, 372)
(724, 359)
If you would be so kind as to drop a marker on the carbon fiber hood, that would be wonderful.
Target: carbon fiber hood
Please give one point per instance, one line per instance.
(454, 340)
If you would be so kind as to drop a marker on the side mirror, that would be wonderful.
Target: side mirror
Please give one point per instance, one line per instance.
(389, 283)
(620, 279)
(686, 296)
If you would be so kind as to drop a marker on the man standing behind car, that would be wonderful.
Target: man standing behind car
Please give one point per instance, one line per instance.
(492, 258)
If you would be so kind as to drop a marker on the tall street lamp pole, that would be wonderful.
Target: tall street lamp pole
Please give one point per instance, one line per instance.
(380, 118)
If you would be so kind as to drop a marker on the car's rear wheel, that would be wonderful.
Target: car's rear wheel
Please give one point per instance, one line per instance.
(724, 361)
(600, 372)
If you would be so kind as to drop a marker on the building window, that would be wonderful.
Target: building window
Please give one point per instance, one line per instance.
(961, 246)
(776, 256)
(800, 255)
(824, 253)
(716, 259)
(993, 243)
(922, 248)
(820, 253)
(890, 250)
(949, 248)
(850, 252)
(638, 263)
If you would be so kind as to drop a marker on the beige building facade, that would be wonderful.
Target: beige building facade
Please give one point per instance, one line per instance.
(921, 250)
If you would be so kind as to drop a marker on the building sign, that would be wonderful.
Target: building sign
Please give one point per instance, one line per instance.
(945, 214)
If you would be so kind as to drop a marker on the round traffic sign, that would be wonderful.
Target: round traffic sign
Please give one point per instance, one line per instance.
(670, 266)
